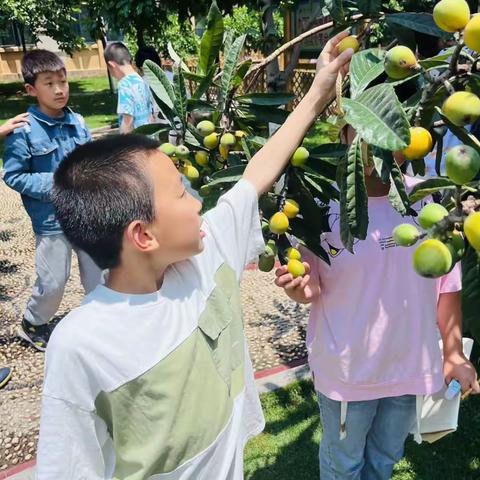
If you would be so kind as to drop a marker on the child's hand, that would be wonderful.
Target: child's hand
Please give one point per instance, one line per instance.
(329, 65)
(298, 289)
(16, 122)
(457, 366)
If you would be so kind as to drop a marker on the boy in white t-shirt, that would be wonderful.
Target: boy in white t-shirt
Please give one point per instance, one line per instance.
(150, 377)
(372, 339)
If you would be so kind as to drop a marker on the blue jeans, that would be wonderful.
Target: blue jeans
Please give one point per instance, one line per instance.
(376, 432)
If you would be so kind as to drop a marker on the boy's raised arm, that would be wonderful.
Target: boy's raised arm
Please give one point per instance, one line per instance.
(267, 165)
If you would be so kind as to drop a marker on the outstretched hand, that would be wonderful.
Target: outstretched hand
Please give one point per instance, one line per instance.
(329, 64)
(298, 289)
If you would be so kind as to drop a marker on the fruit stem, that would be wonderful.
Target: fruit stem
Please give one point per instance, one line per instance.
(458, 201)
(441, 79)
(283, 194)
(455, 56)
(449, 87)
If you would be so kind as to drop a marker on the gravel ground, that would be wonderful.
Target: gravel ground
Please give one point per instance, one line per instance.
(275, 328)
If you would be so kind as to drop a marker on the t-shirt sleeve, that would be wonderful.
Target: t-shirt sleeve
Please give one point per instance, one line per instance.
(452, 282)
(69, 444)
(235, 226)
(126, 100)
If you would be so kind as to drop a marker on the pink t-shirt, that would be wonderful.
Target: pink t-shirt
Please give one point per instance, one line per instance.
(372, 332)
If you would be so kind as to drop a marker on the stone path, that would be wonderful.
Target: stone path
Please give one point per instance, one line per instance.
(275, 328)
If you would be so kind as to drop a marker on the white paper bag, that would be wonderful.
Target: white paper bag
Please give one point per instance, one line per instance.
(436, 416)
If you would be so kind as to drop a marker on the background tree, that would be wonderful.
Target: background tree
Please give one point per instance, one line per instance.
(45, 17)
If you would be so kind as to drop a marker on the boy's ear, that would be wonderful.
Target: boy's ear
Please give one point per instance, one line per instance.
(112, 64)
(140, 237)
(31, 90)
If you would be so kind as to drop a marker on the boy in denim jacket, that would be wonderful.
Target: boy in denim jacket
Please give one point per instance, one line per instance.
(32, 155)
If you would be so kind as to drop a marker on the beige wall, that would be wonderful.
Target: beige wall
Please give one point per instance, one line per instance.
(84, 63)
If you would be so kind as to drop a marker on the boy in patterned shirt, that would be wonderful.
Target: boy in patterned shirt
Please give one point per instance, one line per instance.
(135, 106)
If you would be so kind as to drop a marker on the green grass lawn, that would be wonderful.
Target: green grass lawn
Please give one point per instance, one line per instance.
(89, 96)
(288, 448)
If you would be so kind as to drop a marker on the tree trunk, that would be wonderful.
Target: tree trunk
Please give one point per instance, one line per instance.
(275, 79)
(140, 38)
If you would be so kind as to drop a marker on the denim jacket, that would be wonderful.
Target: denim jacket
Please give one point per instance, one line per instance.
(33, 153)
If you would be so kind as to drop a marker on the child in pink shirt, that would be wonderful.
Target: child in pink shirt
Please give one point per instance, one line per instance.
(373, 339)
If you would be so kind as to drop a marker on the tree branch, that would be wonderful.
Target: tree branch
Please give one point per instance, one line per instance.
(255, 72)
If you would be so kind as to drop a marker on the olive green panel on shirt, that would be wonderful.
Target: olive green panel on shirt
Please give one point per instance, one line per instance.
(178, 408)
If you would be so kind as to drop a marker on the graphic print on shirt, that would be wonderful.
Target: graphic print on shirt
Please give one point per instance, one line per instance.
(333, 249)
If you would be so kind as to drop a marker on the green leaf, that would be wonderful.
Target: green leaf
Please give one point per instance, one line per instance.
(264, 114)
(404, 35)
(180, 96)
(345, 234)
(325, 167)
(269, 99)
(382, 160)
(356, 194)
(430, 105)
(432, 185)
(322, 185)
(474, 84)
(176, 57)
(228, 40)
(211, 40)
(194, 104)
(378, 117)
(439, 156)
(433, 64)
(151, 129)
(311, 212)
(329, 150)
(336, 10)
(230, 64)
(259, 141)
(302, 232)
(191, 139)
(419, 22)
(365, 67)
(418, 167)
(159, 85)
(246, 149)
(471, 292)
(369, 6)
(195, 77)
(460, 132)
(228, 175)
(205, 84)
(397, 194)
(242, 70)
(210, 201)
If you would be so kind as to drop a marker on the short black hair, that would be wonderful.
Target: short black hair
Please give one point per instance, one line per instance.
(40, 61)
(117, 52)
(99, 189)
(147, 53)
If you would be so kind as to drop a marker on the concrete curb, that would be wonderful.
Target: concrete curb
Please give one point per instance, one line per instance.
(282, 378)
(266, 380)
(25, 471)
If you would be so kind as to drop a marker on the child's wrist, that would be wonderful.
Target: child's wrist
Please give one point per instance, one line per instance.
(317, 99)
